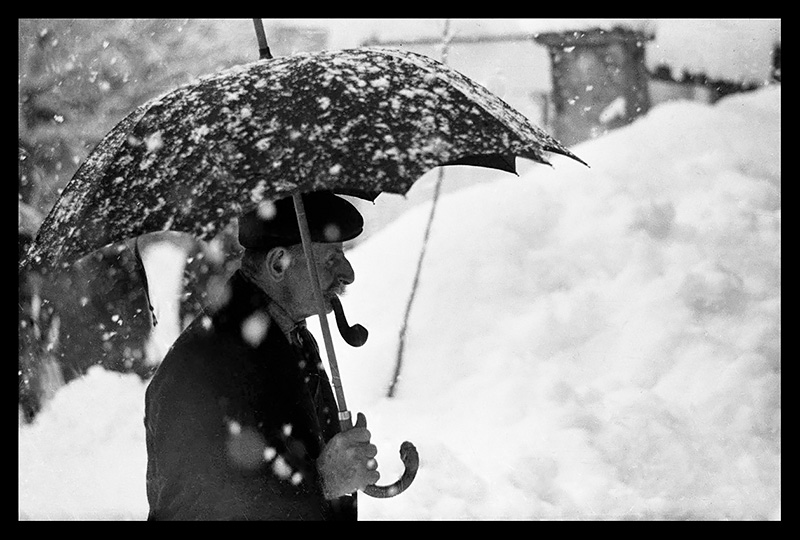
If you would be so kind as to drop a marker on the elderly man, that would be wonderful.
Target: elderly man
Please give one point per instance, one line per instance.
(240, 418)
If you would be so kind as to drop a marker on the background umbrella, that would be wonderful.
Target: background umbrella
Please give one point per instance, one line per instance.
(358, 122)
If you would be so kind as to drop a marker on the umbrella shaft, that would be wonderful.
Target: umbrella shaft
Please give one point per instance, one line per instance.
(305, 236)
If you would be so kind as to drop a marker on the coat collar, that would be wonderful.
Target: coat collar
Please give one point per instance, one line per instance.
(247, 298)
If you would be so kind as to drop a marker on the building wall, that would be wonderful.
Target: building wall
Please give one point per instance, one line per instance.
(600, 81)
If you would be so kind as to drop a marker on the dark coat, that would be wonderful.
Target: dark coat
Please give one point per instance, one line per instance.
(232, 429)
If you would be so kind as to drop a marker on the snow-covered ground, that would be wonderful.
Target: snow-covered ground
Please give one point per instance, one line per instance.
(597, 343)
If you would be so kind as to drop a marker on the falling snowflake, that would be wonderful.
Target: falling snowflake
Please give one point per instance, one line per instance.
(614, 110)
(206, 322)
(234, 427)
(266, 210)
(254, 328)
(281, 468)
(332, 232)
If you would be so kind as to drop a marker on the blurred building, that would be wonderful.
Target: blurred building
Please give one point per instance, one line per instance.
(599, 80)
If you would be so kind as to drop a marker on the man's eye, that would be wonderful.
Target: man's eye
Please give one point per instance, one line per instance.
(333, 259)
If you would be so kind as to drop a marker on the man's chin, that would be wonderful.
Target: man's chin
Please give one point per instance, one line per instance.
(328, 296)
(328, 301)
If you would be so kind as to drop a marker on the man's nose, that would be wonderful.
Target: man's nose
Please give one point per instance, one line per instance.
(345, 272)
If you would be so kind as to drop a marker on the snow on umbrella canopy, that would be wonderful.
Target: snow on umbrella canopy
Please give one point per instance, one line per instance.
(357, 122)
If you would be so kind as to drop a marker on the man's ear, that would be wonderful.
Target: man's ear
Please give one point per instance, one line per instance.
(278, 260)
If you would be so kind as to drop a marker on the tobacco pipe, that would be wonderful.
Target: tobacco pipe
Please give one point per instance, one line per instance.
(355, 335)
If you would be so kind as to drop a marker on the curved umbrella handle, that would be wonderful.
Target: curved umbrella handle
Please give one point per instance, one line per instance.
(410, 458)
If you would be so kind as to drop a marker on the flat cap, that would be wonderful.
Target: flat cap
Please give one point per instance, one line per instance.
(330, 219)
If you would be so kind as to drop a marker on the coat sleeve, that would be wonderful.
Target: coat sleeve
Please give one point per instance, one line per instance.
(206, 463)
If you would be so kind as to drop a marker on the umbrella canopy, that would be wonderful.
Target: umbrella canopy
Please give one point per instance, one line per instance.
(358, 122)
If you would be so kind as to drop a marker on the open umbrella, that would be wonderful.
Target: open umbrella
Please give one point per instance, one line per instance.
(357, 122)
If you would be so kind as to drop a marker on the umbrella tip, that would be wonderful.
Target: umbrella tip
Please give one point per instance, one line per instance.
(565, 152)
